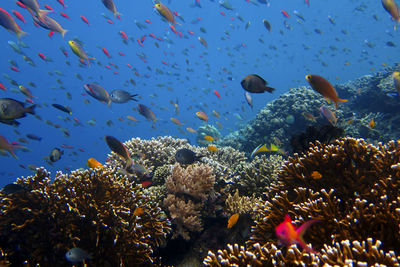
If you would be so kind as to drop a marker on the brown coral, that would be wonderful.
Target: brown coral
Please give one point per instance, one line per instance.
(188, 189)
(86, 209)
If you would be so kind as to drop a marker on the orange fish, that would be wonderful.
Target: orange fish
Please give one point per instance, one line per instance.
(191, 130)
(93, 164)
(391, 7)
(138, 211)
(131, 118)
(208, 138)
(328, 114)
(232, 220)
(309, 116)
(176, 121)
(202, 116)
(371, 124)
(288, 234)
(316, 175)
(165, 13)
(212, 148)
(322, 86)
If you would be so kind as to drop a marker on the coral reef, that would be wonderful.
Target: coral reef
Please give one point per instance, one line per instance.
(93, 210)
(188, 189)
(241, 204)
(369, 97)
(205, 130)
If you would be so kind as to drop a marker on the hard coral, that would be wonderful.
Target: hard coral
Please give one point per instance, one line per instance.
(86, 209)
(350, 186)
(188, 189)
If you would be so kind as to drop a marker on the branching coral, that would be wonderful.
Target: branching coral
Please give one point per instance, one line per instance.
(86, 209)
(188, 190)
(242, 204)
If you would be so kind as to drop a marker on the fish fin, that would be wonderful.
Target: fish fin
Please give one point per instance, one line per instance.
(262, 79)
(269, 89)
(20, 34)
(63, 32)
(328, 100)
(303, 244)
(42, 13)
(303, 228)
(31, 109)
(342, 100)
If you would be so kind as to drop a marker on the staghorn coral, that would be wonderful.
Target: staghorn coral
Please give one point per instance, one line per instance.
(188, 189)
(161, 174)
(344, 253)
(241, 204)
(355, 196)
(88, 209)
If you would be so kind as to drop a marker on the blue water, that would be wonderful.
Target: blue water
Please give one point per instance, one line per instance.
(283, 59)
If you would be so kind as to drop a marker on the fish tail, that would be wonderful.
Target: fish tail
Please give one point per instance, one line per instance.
(42, 13)
(339, 100)
(301, 231)
(303, 244)
(20, 33)
(31, 109)
(12, 153)
(63, 32)
(269, 89)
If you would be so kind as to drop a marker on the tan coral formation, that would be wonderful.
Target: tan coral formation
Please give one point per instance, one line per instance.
(242, 204)
(86, 209)
(188, 189)
(351, 186)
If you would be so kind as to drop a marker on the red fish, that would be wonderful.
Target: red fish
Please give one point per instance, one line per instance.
(288, 234)
(146, 183)
(64, 15)
(123, 35)
(19, 16)
(48, 7)
(84, 19)
(51, 34)
(62, 3)
(14, 69)
(2, 87)
(222, 13)
(21, 5)
(110, 21)
(285, 14)
(42, 56)
(148, 21)
(217, 94)
(307, 2)
(106, 52)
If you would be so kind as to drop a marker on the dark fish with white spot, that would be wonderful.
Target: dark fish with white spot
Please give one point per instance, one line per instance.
(76, 255)
(186, 156)
(11, 109)
(120, 96)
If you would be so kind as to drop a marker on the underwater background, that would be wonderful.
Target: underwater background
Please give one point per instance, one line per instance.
(340, 40)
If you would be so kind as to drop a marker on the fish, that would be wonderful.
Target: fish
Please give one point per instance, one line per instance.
(371, 124)
(165, 13)
(212, 148)
(202, 116)
(63, 108)
(259, 149)
(93, 163)
(34, 137)
(309, 116)
(248, 98)
(55, 154)
(50, 24)
(12, 189)
(186, 156)
(138, 211)
(255, 84)
(191, 130)
(396, 81)
(267, 25)
(316, 175)
(203, 42)
(78, 50)
(33, 7)
(328, 114)
(109, 4)
(119, 148)
(208, 138)
(391, 7)
(176, 121)
(322, 86)
(76, 255)
(120, 96)
(98, 92)
(25, 91)
(147, 113)
(9, 23)
(7, 146)
(232, 220)
(11, 109)
(287, 234)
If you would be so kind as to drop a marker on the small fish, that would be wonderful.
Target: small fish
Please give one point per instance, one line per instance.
(34, 137)
(255, 84)
(212, 148)
(309, 116)
(78, 50)
(33, 7)
(176, 121)
(55, 154)
(391, 7)
(62, 108)
(202, 116)
(121, 96)
(50, 24)
(328, 114)
(186, 156)
(316, 175)
(98, 92)
(248, 98)
(203, 42)
(119, 148)
(232, 220)
(259, 149)
(11, 189)
(288, 234)
(165, 13)
(76, 255)
(208, 138)
(9, 23)
(267, 25)
(191, 130)
(147, 113)
(322, 86)
(371, 124)
(25, 91)
(109, 4)
(138, 211)
(93, 164)
(396, 81)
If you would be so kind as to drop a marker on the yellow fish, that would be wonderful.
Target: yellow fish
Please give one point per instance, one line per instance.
(93, 164)
(78, 50)
(165, 13)
(208, 138)
(391, 7)
(259, 149)
(212, 148)
(396, 80)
